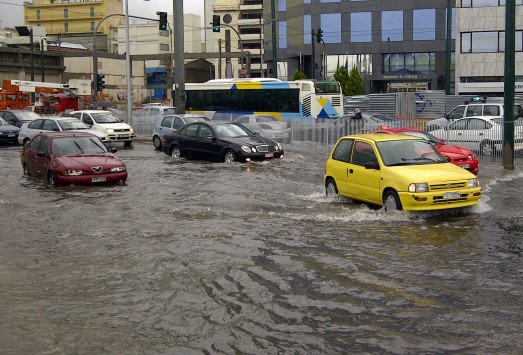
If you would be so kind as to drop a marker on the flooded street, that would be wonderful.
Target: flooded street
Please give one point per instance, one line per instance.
(204, 258)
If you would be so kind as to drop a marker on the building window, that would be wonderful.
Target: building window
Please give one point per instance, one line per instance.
(164, 47)
(92, 26)
(330, 0)
(38, 14)
(481, 42)
(416, 62)
(488, 42)
(307, 29)
(252, 45)
(360, 27)
(424, 25)
(164, 33)
(453, 34)
(392, 26)
(66, 27)
(91, 11)
(66, 13)
(486, 3)
(362, 62)
(282, 34)
(250, 31)
(282, 5)
(331, 26)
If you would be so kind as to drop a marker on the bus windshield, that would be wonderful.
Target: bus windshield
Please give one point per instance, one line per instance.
(327, 87)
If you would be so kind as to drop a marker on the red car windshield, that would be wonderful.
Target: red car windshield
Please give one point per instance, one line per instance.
(77, 146)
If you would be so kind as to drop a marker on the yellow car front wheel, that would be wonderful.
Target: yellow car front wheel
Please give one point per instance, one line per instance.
(391, 201)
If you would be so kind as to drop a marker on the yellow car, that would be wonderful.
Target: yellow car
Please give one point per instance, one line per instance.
(398, 172)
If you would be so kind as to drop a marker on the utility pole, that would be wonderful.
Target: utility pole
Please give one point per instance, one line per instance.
(313, 59)
(448, 49)
(179, 58)
(274, 53)
(510, 82)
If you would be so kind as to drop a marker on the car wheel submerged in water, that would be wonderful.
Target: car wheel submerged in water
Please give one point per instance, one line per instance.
(176, 152)
(229, 156)
(330, 188)
(50, 179)
(391, 201)
(157, 142)
(486, 148)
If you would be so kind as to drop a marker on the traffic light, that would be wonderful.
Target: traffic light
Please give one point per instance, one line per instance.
(162, 26)
(319, 35)
(100, 82)
(216, 23)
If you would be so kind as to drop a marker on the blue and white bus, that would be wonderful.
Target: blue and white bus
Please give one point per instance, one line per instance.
(292, 101)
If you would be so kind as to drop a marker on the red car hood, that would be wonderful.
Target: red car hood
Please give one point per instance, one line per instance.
(454, 151)
(87, 161)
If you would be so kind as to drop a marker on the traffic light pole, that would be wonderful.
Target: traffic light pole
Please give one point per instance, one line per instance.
(179, 57)
(95, 57)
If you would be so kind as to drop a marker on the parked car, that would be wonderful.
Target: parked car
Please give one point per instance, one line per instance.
(369, 122)
(398, 172)
(151, 114)
(219, 141)
(8, 132)
(107, 123)
(55, 124)
(64, 158)
(472, 110)
(479, 134)
(18, 117)
(460, 156)
(267, 126)
(171, 123)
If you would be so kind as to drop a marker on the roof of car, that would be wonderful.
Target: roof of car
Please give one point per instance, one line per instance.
(380, 137)
(56, 118)
(52, 134)
(91, 111)
(396, 130)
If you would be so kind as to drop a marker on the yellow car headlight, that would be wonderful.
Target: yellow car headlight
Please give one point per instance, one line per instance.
(419, 187)
(473, 183)
(109, 130)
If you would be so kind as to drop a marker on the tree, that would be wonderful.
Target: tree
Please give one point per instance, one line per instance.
(355, 82)
(342, 76)
(298, 75)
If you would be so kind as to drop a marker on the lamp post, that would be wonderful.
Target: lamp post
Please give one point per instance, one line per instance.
(128, 64)
(42, 66)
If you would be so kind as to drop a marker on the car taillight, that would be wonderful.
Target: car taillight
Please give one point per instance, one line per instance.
(164, 140)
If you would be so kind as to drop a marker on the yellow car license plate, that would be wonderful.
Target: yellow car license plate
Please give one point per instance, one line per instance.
(447, 195)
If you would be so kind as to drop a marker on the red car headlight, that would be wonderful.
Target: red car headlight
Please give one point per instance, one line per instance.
(73, 172)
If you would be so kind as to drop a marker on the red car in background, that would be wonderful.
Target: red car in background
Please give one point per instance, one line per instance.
(65, 158)
(457, 155)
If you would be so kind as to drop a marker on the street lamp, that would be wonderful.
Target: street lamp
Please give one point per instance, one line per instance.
(42, 66)
(28, 31)
(128, 64)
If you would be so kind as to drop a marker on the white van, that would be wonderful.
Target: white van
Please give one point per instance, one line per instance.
(105, 122)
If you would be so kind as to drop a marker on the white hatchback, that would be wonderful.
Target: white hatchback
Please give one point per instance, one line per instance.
(55, 124)
(480, 134)
(107, 123)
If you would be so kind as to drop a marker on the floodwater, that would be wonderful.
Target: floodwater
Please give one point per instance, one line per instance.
(204, 258)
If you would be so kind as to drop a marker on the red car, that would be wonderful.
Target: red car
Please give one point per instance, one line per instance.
(65, 158)
(457, 155)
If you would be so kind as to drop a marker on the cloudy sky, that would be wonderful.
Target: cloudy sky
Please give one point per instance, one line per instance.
(12, 11)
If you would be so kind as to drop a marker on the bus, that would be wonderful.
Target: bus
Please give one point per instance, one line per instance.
(292, 101)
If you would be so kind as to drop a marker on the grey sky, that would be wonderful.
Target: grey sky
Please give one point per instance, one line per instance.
(12, 11)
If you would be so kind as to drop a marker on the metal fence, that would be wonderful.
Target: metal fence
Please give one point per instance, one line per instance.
(321, 137)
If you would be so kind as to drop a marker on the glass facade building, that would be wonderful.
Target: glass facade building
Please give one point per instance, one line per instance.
(395, 44)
